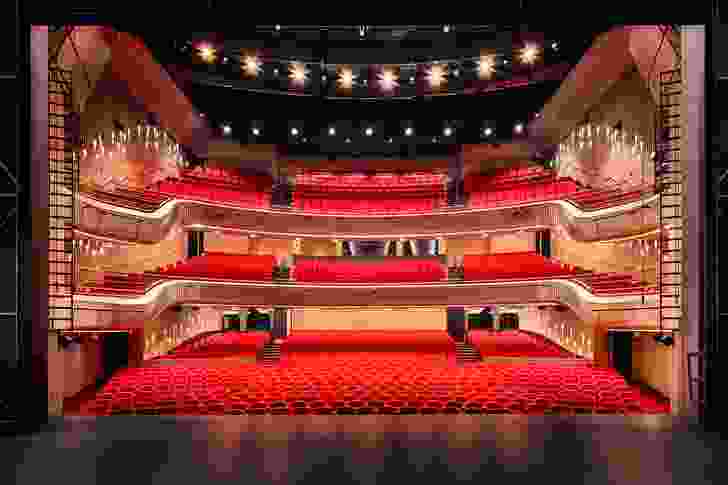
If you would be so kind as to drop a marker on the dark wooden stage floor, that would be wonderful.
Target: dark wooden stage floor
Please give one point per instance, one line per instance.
(365, 449)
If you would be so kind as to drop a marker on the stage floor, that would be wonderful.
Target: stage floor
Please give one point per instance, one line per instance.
(366, 449)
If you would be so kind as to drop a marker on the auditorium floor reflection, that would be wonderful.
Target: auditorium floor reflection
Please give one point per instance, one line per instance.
(368, 449)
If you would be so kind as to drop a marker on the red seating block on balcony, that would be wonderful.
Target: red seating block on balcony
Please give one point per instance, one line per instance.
(225, 266)
(372, 270)
(512, 265)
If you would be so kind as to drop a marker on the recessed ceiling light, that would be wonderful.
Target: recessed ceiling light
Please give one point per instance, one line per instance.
(434, 139)
(369, 131)
(447, 131)
(389, 140)
(446, 28)
(323, 77)
(227, 129)
(294, 131)
(488, 131)
(278, 27)
(554, 45)
(275, 71)
(332, 131)
(348, 140)
(305, 140)
(518, 128)
(408, 131)
(256, 131)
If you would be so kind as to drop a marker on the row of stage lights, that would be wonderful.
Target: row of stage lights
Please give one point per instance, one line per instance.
(436, 73)
(369, 131)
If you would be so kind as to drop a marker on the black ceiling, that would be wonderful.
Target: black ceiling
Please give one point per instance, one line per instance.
(275, 114)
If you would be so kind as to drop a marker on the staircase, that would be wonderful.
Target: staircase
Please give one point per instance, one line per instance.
(466, 353)
(271, 354)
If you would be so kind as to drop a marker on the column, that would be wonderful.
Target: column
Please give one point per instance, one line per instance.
(692, 156)
(456, 322)
(29, 363)
(279, 325)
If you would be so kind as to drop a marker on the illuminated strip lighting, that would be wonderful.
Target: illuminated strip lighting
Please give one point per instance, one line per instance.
(104, 238)
(155, 292)
(169, 206)
(631, 238)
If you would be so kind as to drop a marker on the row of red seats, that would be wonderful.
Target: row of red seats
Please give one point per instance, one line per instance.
(512, 265)
(369, 205)
(348, 270)
(417, 342)
(527, 192)
(223, 343)
(232, 266)
(506, 176)
(615, 283)
(387, 179)
(374, 387)
(597, 199)
(219, 176)
(205, 192)
(514, 344)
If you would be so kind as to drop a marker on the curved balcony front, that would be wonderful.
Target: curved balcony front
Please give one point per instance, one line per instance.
(101, 219)
(163, 293)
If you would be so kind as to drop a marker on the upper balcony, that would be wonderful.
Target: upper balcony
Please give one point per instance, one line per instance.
(360, 207)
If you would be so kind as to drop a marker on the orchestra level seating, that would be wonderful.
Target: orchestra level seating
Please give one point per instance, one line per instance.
(399, 380)
(510, 343)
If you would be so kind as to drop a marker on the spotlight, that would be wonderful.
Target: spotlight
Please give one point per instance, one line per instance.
(408, 131)
(348, 140)
(298, 72)
(256, 131)
(207, 53)
(434, 139)
(252, 66)
(554, 45)
(447, 131)
(369, 131)
(446, 28)
(518, 128)
(436, 76)
(227, 129)
(486, 66)
(488, 131)
(456, 72)
(294, 131)
(389, 140)
(275, 71)
(529, 54)
(278, 27)
(346, 78)
(388, 80)
(332, 131)
(412, 79)
(225, 60)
